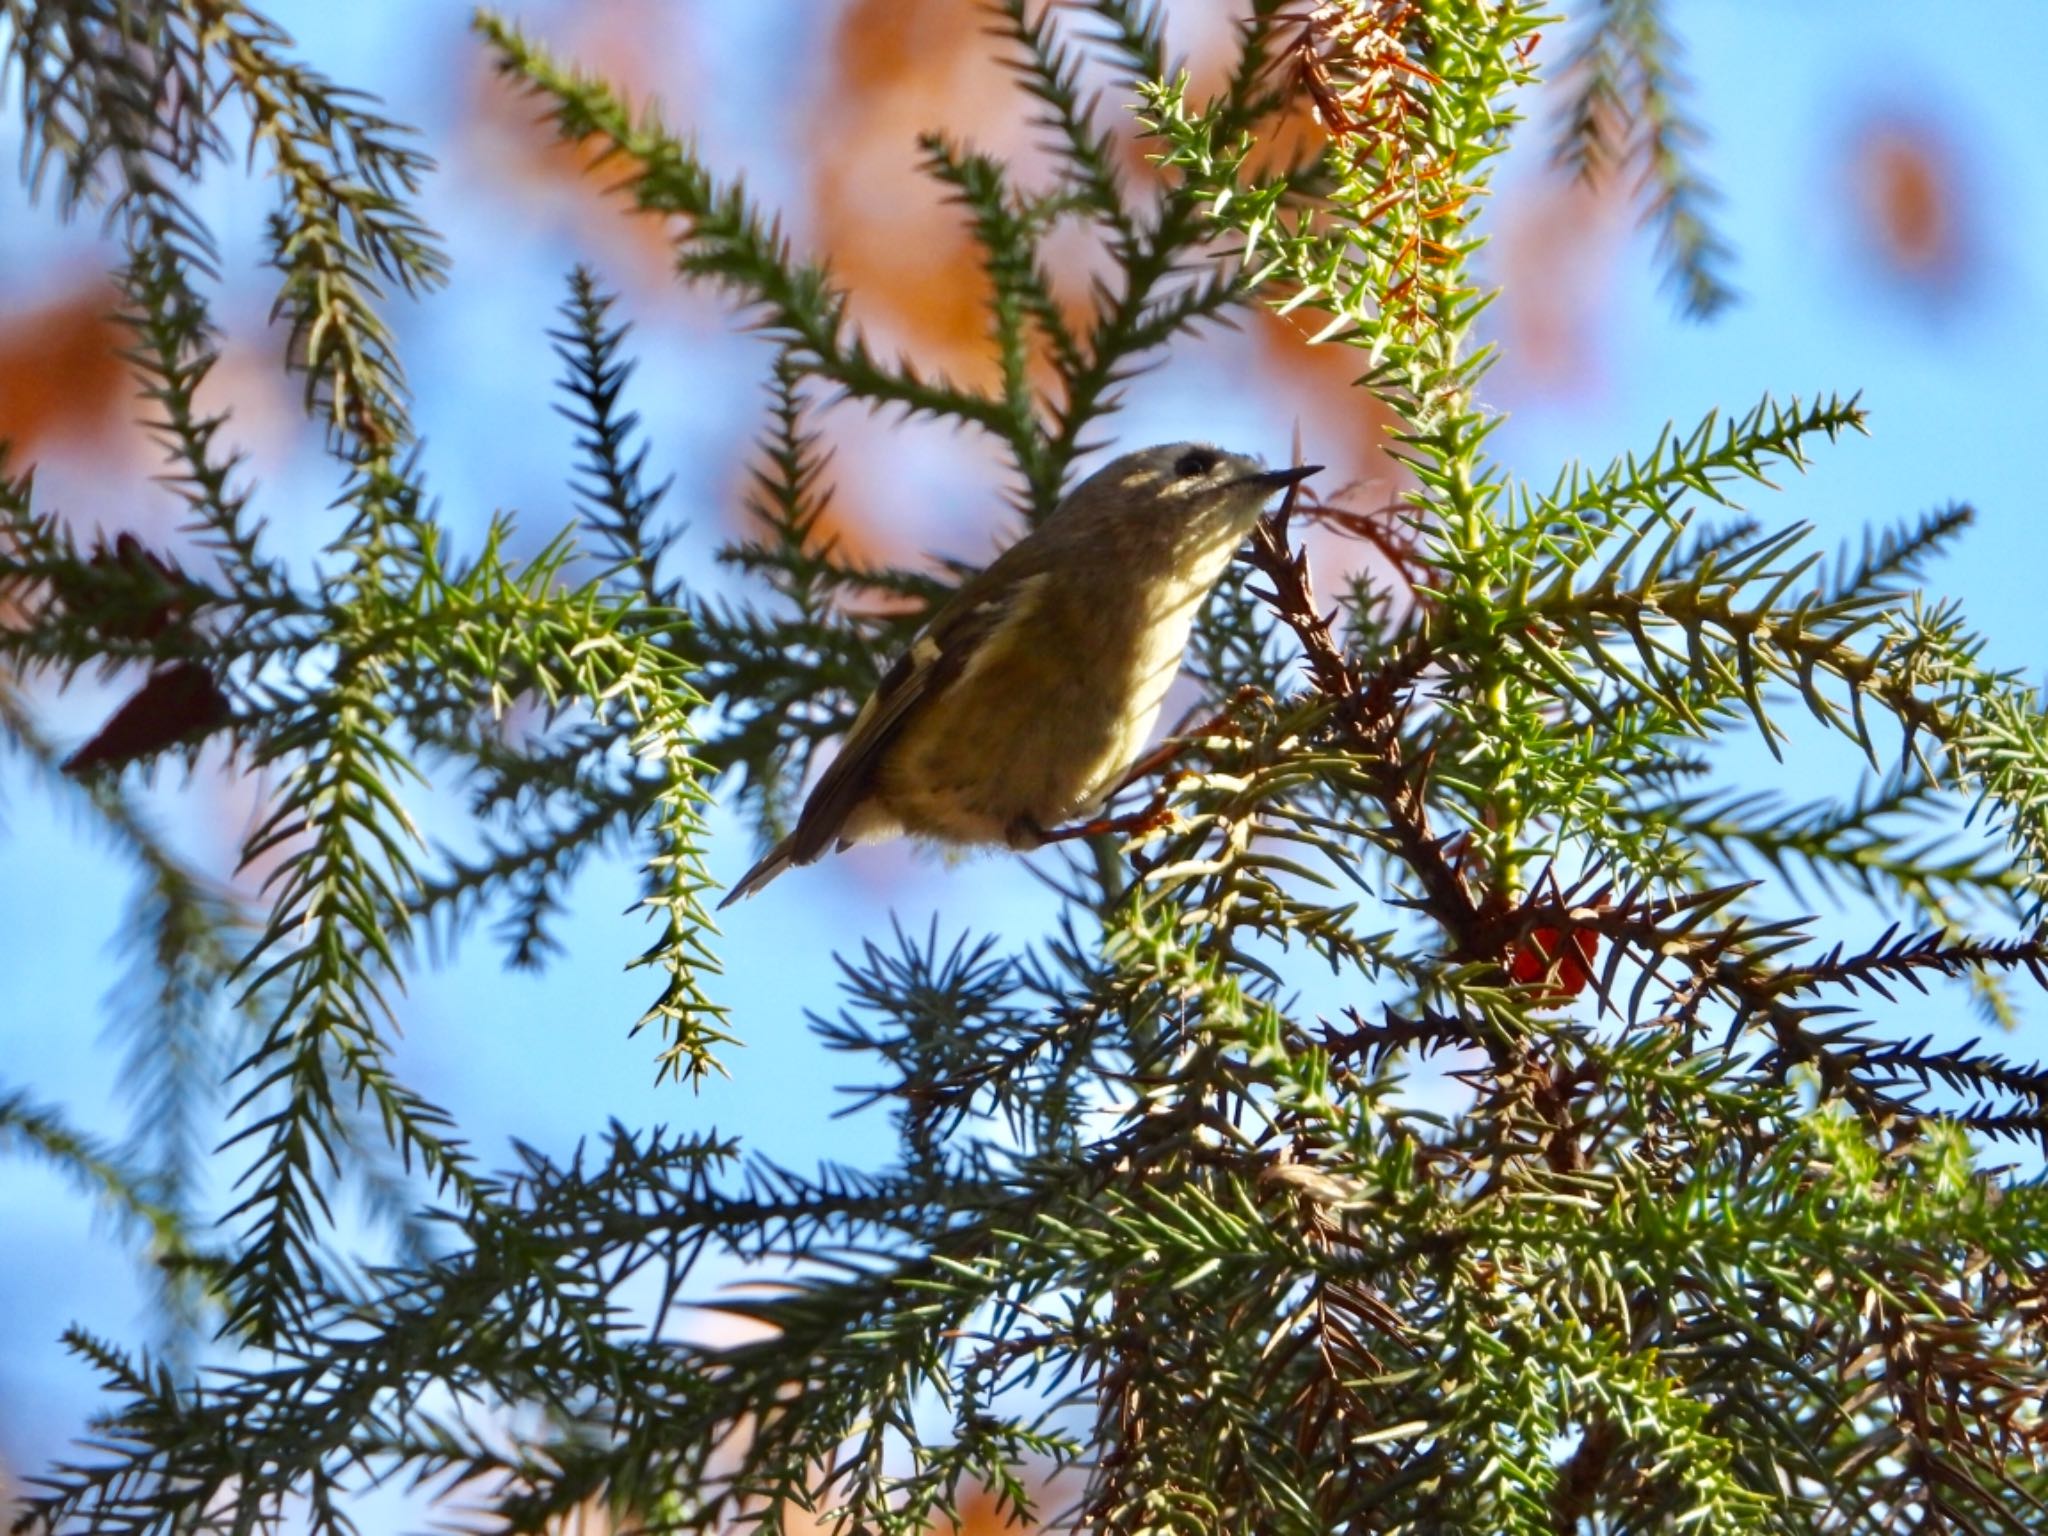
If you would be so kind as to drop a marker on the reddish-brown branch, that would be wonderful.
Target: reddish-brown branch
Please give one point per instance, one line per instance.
(1369, 710)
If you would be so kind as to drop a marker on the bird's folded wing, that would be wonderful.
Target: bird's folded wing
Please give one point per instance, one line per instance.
(941, 652)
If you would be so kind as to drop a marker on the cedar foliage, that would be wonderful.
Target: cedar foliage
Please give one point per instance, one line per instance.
(1709, 1241)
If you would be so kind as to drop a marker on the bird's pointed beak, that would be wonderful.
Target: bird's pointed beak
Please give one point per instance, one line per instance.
(1277, 479)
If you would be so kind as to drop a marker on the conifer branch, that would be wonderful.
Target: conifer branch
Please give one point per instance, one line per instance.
(616, 503)
(729, 241)
(1050, 73)
(96, 1169)
(1627, 115)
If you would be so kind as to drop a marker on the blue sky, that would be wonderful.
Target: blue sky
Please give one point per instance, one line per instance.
(1952, 380)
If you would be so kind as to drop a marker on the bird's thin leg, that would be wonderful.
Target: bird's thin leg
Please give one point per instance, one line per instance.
(1151, 819)
(1158, 758)
(1156, 815)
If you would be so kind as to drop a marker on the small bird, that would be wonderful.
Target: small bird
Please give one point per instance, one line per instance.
(1028, 693)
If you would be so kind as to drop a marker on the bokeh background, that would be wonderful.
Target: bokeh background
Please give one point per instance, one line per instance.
(1881, 185)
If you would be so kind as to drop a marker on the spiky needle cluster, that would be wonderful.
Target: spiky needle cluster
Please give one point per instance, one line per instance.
(1695, 1236)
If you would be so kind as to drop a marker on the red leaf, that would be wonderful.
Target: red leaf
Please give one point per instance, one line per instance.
(1545, 957)
(178, 702)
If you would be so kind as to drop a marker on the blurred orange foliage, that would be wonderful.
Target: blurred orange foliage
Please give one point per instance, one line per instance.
(901, 68)
(1910, 207)
(904, 67)
(980, 1515)
(1555, 257)
(61, 373)
(638, 45)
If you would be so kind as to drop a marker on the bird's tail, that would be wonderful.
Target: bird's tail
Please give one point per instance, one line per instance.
(772, 863)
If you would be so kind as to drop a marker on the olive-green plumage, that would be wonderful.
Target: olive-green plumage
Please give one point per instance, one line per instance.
(1030, 691)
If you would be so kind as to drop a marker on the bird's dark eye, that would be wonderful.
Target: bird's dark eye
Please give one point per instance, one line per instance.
(1190, 465)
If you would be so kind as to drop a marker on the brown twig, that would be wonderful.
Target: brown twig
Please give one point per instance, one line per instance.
(1581, 1479)
(1369, 710)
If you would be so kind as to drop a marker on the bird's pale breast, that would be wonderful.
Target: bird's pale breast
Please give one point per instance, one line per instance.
(1056, 703)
